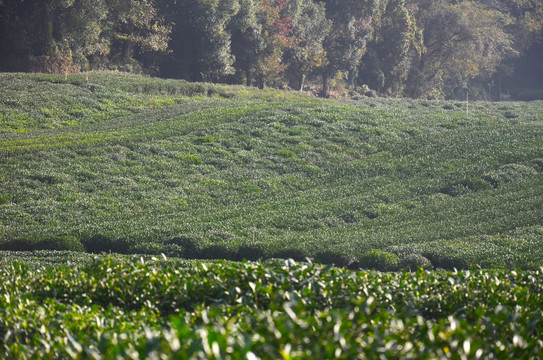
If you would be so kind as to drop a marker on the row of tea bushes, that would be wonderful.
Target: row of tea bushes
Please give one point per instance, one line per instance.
(112, 307)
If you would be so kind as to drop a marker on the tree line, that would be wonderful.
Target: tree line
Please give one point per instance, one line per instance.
(413, 48)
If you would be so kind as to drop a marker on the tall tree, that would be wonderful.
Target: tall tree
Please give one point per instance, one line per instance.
(525, 20)
(261, 32)
(80, 26)
(310, 27)
(248, 40)
(69, 35)
(13, 37)
(200, 40)
(525, 25)
(462, 42)
(345, 43)
(35, 35)
(135, 27)
(277, 30)
(394, 43)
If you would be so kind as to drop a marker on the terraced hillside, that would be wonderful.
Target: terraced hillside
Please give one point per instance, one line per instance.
(131, 164)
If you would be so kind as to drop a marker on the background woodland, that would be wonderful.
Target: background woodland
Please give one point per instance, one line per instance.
(429, 49)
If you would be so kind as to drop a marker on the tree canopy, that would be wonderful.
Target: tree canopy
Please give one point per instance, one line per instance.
(415, 48)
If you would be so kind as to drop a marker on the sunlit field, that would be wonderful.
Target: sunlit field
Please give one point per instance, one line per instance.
(130, 164)
(414, 228)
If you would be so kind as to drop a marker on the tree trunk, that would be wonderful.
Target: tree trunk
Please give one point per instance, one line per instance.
(249, 76)
(45, 41)
(302, 82)
(324, 85)
(128, 52)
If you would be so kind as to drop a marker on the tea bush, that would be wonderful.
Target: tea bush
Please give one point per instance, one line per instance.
(509, 173)
(380, 260)
(413, 262)
(130, 307)
(43, 242)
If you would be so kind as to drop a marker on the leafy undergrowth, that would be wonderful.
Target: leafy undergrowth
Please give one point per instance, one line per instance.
(119, 307)
(225, 172)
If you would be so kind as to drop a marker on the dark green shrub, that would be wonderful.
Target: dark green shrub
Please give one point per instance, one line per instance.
(466, 187)
(456, 190)
(355, 95)
(511, 115)
(192, 89)
(104, 243)
(40, 242)
(187, 245)
(509, 173)
(445, 259)
(156, 248)
(414, 262)
(172, 250)
(477, 184)
(249, 252)
(46, 178)
(291, 253)
(22, 244)
(350, 218)
(147, 248)
(537, 164)
(371, 93)
(371, 214)
(379, 260)
(218, 252)
(335, 258)
(208, 139)
(66, 242)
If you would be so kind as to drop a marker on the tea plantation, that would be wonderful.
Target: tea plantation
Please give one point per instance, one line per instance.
(169, 177)
(222, 172)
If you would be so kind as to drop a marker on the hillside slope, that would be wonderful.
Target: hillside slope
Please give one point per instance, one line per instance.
(212, 171)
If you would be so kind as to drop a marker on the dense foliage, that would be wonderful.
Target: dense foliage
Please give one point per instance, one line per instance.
(414, 48)
(229, 172)
(134, 308)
